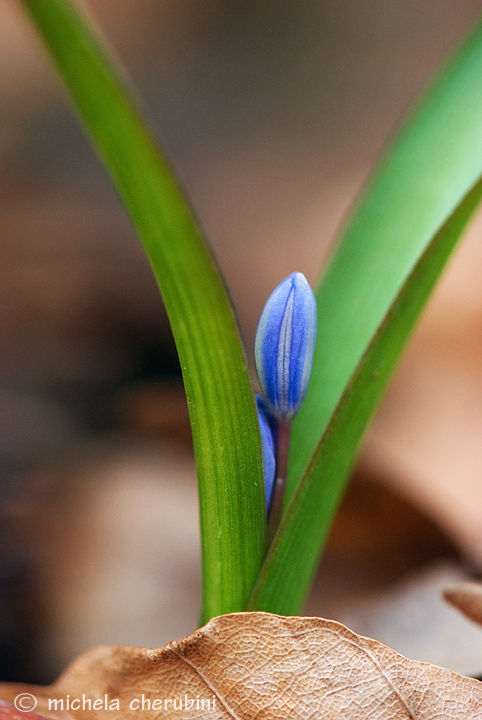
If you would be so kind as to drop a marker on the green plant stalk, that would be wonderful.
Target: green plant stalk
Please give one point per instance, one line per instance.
(434, 162)
(293, 558)
(283, 433)
(216, 377)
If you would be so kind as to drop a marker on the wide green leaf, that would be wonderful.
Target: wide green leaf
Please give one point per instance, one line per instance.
(216, 377)
(293, 557)
(432, 165)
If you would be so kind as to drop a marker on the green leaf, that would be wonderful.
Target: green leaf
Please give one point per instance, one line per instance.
(216, 377)
(294, 554)
(433, 164)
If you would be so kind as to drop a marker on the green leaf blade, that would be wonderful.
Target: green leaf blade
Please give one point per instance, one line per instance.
(294, 554)
(216, 377)
(434, 162)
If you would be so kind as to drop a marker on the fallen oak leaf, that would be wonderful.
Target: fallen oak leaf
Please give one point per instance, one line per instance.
(466, 597)
(263, 666)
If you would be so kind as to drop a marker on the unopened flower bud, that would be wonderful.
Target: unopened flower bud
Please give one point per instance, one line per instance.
(285, 341)
(267, 444)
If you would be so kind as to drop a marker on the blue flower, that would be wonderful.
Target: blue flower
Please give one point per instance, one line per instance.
(267, 444)
(285, 340)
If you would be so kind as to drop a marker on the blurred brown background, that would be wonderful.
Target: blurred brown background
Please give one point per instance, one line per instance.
(274, 113)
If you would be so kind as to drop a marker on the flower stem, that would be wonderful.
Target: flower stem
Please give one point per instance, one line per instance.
(283, 444)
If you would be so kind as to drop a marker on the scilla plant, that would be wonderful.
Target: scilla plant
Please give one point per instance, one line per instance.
(386, 262)
(285, 341)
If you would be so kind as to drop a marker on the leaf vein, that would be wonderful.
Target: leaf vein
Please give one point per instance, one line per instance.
(211, 687)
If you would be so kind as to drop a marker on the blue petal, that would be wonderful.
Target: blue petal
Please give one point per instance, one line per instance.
(267, 444)
(284, 345)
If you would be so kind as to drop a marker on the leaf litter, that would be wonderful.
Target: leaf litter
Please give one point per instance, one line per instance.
(259, 666)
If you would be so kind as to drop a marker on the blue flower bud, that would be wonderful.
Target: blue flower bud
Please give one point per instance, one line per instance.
(267, 444)
(285, 340)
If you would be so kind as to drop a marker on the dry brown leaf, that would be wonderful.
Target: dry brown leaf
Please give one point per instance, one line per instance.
(8, 712)
(256, 665)
(466, 597)
(410, 618)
